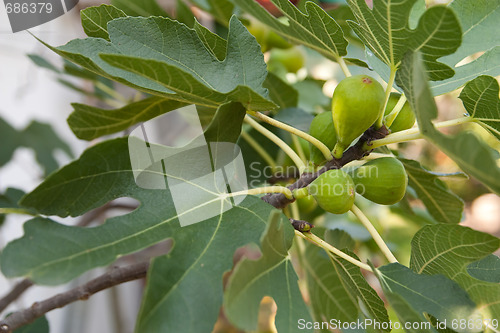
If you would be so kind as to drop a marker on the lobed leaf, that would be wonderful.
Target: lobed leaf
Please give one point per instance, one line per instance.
(52, 253)
(443, 205)
(448, 250)
(486, 269)
(88, 122)
(479, 20)
(471, 154)
(165, 58)
(271, 275)
(480, 98)
(37, 136)
(386, 31)
(436, 295)
(95, 20)
(139, 7)
(314, 28)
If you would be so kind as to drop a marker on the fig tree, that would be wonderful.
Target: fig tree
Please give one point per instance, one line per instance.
(382, 180)
(322, 129)
(334, 191)
(356, 104)
(405, 118)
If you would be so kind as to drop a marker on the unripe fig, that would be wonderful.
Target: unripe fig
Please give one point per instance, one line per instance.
(307, 204)
(322, 129)
(356, 104)
(275, 40)
(259, 31)
(292, 59)
(405, 118)
(334, 191)
(382, 180)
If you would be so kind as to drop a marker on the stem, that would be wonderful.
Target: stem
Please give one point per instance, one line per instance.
(298, 148)
(17, 291)
(280, 143)
(259, 149)
(263, 190)
(329, 248)
(111, 92)
(414, 133)
(376, 236)
(295, 210)
(380, 120)
(112, 278)
(343, 66)
(315, 142)
(300, 193)
(389, 119)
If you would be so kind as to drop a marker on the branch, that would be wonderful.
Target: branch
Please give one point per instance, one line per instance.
(115, 276)
(356, 152)
(17, 291)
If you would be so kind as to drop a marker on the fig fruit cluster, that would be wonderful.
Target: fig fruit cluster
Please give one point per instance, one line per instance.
(383, 181)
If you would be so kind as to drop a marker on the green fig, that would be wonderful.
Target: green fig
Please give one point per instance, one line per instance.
(291, 59)
(275, 40)
(405, 118)
(307, 204)
(382, 180)
(356, 104)
(322, 129)
(334, 191)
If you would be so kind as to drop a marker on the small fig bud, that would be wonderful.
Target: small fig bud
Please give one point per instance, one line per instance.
(356, 104)
(405, 118)
(322, 129)
(382, 180)
(334, 191)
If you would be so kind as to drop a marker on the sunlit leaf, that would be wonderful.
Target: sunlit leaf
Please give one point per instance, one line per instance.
(386, 31)
(270, 275)
(471, 154)
(479, 20)
(448, 250)
(480, 98)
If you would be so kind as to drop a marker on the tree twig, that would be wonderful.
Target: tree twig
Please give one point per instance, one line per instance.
(16, 291)
(356, 152)
(112, 278)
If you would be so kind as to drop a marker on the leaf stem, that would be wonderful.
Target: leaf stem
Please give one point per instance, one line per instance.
(298, 148)
(261, 190)
(259, 149)
(315, 142)
(280, 143)
(343, 66)
(380, 120)
(329, 248)
(414, 133)
(376, 236)
(111, 92)
(389, 119)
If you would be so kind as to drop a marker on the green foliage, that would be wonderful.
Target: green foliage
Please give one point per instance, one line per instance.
(443, 205)
(37, 136)
(478, 20)
(272, 275)
(172, 63)
(470, 153)
(448, 250)
(386, 31)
